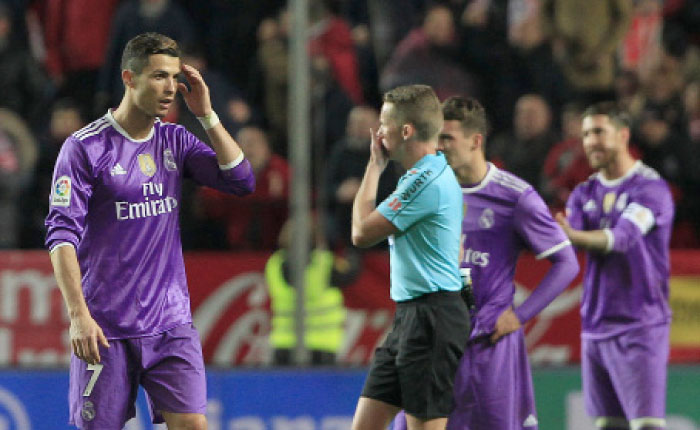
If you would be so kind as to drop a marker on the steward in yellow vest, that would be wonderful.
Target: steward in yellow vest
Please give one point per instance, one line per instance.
(324, 309)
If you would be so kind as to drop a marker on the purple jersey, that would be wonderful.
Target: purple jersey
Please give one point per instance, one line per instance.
(502, 216)
(626, 287)
(116, 200)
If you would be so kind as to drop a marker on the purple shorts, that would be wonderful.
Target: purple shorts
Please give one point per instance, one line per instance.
(624, 378)
(493, 388)
(168, 365)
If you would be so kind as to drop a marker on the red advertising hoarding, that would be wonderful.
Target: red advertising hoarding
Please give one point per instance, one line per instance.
(230, 307)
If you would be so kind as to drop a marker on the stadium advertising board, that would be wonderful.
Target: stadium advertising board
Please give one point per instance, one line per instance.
(313, 400)
(231, 310)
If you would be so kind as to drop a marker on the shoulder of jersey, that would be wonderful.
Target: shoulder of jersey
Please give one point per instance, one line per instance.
(510, 182)
(93, 129)
(647, 172)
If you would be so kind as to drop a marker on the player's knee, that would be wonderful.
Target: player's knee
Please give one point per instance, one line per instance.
(188, 422)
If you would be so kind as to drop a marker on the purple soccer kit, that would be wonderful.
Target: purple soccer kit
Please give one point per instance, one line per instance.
(502, 216)
(116, 200)
(624, 310)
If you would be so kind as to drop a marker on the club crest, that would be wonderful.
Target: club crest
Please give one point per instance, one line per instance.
(169, 160)
(609, 201)
(88, 411)
(486, 220)
(147, 165)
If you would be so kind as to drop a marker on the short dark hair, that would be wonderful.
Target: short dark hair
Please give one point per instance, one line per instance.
(468, 111)
(618, 116)
(417, 105)
(137, 51)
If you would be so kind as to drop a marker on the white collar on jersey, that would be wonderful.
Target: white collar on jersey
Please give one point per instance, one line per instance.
(484, 182)
(123, 132)
(621, 179)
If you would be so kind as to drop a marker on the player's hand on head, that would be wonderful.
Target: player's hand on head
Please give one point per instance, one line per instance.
(506, 323)
(86, 337)
(197, 95)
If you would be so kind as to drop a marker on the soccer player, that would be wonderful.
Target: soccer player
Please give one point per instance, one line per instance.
(114, 243)
(502, 216)
(415, 366)
(622, 216)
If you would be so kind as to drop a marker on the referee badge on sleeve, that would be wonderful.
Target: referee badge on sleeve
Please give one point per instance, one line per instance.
(60, 195)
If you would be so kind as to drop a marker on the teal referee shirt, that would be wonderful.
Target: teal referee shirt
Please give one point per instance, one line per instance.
(426, 208)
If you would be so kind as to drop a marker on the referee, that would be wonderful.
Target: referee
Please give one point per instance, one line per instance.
(414, 368)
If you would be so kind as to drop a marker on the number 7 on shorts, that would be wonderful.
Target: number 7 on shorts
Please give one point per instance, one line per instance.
(96, 370)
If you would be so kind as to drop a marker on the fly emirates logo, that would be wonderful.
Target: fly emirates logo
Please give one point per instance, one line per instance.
(472, 256)
(154, 204)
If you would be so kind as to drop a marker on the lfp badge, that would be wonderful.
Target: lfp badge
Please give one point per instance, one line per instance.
(61, 192)
(147, 165)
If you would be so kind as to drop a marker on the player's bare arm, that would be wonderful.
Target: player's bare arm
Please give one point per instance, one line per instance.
(85, 334)
(199, 102)
(592, 240)
(368, 225)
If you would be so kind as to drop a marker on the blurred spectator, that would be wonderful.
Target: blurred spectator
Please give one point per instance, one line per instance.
(671, 154)
(429, 55)
(24, 88)
(345, 168)
(65, 118)
(626, 88)
(661, 92)
(530, 66)
(271, 79)
(76, 51)
(586, 35)
(485, 52)
(683, 16)
(523, 150)
(566, 164)
(228, 29)
(226, 99)
(390, 21)
(331, 38)
(255, 221)
(641, 48)
(18, 154)
(132, 18)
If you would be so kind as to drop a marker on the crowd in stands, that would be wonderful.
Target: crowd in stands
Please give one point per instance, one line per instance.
(535, 65)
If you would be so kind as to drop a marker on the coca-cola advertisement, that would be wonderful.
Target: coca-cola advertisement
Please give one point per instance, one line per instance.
(231, 310)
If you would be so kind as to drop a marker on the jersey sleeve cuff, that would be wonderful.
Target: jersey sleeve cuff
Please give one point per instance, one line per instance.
(611, 239)
(232, 164)
(553, 250)
(59, 245)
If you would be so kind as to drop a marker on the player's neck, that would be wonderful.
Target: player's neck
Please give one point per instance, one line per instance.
(133, 120)
(414, 151)
(619, 168)
(472, 174)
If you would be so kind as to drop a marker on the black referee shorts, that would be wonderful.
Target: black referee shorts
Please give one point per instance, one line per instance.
(415, 367)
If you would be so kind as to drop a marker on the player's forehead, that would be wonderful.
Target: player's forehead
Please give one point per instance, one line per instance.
(452, 127)
(386, 115)
(596, 121)
(166, 63)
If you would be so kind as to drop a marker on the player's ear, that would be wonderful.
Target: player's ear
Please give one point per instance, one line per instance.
(407, 131)
(128, 78)
(477, 142)
(625, 134)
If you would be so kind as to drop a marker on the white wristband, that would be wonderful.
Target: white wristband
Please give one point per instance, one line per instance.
(209, 121)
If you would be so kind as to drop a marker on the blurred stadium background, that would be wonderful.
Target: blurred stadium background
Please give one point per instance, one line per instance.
(533, 63)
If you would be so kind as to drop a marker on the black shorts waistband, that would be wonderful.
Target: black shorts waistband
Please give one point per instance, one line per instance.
(443, 296)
